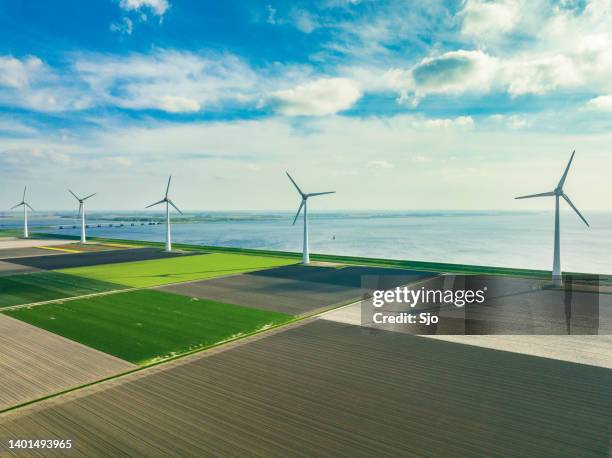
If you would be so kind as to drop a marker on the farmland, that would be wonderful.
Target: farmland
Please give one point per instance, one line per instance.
(144, 326)
(179, 269)
(295, 289)
(314, 383)
(35, 363)
(92, 257)
(46, 286)
(327, 388)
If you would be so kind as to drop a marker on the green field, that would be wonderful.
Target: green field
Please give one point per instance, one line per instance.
(144, 326)
(172, 270)
(46, 286)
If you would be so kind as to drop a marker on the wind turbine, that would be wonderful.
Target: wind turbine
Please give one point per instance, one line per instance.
(168, 203)
(557, 193)
(82, 213)
(26, 205)
(305, 254)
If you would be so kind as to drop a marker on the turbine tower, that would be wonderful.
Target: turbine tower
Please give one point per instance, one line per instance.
(168, 202)
(558, 193)
(26, 205)
(304, 204)
(82, 213)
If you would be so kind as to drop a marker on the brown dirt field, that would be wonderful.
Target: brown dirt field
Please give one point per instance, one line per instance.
(14, 242)
(325, 389)
(8, 253)
(35, 363)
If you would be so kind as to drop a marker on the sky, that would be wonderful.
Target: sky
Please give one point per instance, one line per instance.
(395, 105)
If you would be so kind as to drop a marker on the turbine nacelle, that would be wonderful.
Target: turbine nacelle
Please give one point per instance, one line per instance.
(558, 191)
(305, 196)
(23, 201)
(81, 199)
(166, 199)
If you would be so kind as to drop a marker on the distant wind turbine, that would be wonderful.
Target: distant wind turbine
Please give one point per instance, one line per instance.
(303, 204)
(168, 202)
(82, 213)
(557, 193)
(26, 205)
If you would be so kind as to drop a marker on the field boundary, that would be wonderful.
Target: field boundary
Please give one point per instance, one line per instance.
(356, 260)
(297, 320)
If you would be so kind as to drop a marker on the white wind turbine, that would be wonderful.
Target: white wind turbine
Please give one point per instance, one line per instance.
(557, 193)
(82, 213)
(305, 254)
(26, 205)
(168, 203)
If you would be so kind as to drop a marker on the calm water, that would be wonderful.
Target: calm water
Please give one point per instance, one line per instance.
(494, 238)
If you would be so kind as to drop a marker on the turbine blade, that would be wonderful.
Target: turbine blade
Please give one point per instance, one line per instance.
(175, 207)
(24, 193)
(295, 184)
(312, 194)
(562, 180)
(29, 206)
(168, 187)
(91, 195)
(80, 209)
(75, 196)
(156, 203)
(298, 212)
(542, 194)
(567, 199)
(18, 205)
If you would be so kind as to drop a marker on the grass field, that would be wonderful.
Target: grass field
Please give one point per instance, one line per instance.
(144, 326)
(164, 271)
(46, 286)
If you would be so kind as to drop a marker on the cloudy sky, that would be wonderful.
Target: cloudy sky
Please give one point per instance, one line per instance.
(394, 104)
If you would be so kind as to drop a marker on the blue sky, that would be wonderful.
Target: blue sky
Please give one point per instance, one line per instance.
(395, 104)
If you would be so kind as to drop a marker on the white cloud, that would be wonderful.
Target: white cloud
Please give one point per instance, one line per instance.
(601, 103)
(158, 7)
(125, 26)
(271, 14)
(174, 104)
(166, 80)
(22, 159)
(19, 73)
(562, 45)
(316, 147)
(511, 121)
(481, 18)
(453, 72)
(540, 75)
(381, 164)
(305, 21)
(317, 98)
(29, 83)
(14, 127)
(446, 123)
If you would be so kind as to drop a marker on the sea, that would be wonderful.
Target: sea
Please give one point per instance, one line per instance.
(493, 238)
